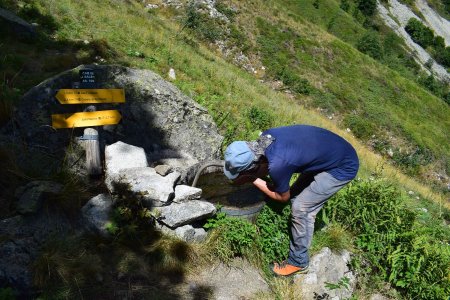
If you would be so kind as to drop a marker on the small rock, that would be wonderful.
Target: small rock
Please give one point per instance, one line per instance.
(172, 74)
(200, 235)
(185, 192)
(186, 233)
(410, 193)
(151, 6)
(96, 214)
(163, 170)
(390, 153)
(86, 42)
(178, 214)
(348, 129)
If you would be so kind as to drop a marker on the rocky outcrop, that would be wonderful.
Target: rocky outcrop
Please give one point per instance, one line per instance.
(170, 127)
(329, 276)
(396, 15)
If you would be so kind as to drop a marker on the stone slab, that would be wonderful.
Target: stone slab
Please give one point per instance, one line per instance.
(179, 214)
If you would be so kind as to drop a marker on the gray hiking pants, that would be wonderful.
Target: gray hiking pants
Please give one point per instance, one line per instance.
(308, 195)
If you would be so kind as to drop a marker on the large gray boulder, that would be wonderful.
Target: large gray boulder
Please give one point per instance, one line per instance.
(179, 214)
(328, 276)
(170, 127)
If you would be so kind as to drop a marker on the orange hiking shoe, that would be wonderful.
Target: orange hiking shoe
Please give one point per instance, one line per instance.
(286, 269)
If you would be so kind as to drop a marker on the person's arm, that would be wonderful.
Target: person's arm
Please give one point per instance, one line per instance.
(262, 185)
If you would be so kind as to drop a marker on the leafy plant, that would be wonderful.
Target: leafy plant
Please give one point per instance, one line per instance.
(273, 231)
(343, 282)
(370, 44)
(367, 7)
(232, 237)
(259, 118)
(395, 245)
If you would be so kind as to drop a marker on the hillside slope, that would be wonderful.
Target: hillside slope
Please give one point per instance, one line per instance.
(382, 107)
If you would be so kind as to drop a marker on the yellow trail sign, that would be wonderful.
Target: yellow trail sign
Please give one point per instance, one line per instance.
(86, 119)
(84, 96)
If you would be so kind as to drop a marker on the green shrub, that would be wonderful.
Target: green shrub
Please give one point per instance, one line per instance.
(438, 42)
(401, 250)
(294, 81)
(442, 56)
(7, 294)
(367, 7)
(273, 232)
(207, 28)
(360, 126)
(259, 118)
(420, 33)
(370, 44)
(233, 236)
(345, 5)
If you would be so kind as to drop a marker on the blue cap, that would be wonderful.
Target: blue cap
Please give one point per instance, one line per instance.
(238, 157)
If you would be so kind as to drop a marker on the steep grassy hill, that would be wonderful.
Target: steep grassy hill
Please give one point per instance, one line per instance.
(308, 46)
(273, 63)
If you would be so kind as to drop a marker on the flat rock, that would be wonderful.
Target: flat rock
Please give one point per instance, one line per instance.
(326, 268)
(178, 214)
(152, 188)
(119, 156)
(96, 214)
(34, 194)
(185, 192)
(163, 170)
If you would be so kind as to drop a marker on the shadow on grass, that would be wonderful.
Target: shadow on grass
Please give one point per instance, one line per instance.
(135, 262)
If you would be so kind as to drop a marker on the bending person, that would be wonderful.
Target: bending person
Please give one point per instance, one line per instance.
(326, 162)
